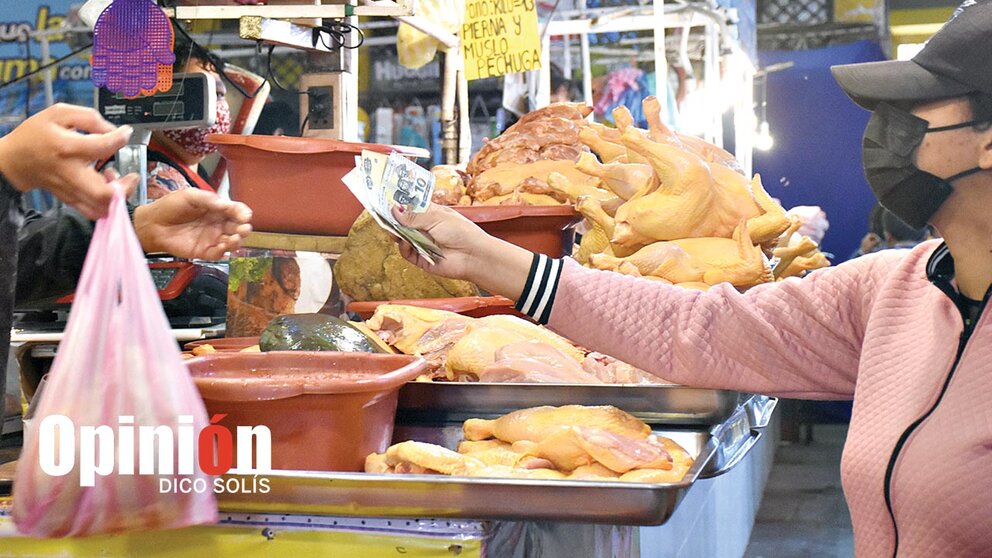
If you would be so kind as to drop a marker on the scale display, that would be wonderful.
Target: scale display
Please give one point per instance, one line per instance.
(191, 102)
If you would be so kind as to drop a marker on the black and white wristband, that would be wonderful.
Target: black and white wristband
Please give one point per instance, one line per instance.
(542, 284)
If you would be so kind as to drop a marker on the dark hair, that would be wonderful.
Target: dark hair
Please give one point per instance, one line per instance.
(187, 49)
(900, 231)
(875, 220)
(559, 79)
(981, 109)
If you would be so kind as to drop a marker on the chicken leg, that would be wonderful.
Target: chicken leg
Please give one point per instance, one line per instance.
(595, 213)
(767, 227)
(577, 446)
(658, 131)
(628, 181)
(625, 123)
(803, 264)
(572, 191)
(608, 151)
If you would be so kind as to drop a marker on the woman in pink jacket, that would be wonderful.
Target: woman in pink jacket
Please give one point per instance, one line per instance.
(902, 333)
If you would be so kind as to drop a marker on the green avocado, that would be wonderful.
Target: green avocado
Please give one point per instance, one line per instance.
(314, 332)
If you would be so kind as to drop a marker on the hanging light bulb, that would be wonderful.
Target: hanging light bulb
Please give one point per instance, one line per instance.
(763, 140)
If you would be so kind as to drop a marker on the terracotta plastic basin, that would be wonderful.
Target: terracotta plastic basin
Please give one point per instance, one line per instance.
(293, 185)
(545, 229)
(327, 411)
(472, 306)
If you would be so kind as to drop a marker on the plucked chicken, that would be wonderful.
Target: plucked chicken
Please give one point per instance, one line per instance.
(693, 199)
(573, 442)
(696, 260)
(537, 423)
(499, 348)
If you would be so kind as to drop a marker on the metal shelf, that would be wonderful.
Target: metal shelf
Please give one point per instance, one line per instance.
(383, 8)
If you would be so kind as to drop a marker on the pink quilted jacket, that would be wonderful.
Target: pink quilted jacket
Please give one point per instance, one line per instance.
(883, 329)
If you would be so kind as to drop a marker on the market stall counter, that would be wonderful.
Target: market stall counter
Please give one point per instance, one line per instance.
(362, 514)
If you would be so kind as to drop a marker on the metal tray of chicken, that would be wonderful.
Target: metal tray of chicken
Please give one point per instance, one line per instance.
(715, 451)
(655, 404)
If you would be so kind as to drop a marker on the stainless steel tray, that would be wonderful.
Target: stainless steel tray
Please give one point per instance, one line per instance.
(714, 449)
(655, 404)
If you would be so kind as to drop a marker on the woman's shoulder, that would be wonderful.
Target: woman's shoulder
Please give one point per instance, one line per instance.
(904, 264)
(164, 178)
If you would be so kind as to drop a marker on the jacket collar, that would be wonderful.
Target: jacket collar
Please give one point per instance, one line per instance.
(940, 267)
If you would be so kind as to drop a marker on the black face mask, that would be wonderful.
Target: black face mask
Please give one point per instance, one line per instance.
(890, 139)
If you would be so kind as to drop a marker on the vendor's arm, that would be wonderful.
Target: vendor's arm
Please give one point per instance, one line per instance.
(48, 151)
(793, 338)
(187, 223)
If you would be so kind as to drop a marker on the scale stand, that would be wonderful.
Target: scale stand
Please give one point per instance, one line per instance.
(133, 158)
(190, 103)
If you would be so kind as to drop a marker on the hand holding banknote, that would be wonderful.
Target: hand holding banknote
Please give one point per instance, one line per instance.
(380, 181)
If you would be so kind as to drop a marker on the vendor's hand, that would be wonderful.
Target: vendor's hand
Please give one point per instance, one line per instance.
(192, 224)
(48, 151)
(469, 253)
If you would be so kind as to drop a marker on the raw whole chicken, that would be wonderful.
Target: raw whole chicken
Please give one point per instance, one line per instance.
(499, 348)
(693, 199)
(696, 260)
(537, 423)
(572, 442)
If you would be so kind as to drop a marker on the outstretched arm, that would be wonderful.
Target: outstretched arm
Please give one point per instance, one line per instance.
(796, 338)
(793, 338)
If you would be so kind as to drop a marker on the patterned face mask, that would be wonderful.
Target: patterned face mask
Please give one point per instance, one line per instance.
(194, 140)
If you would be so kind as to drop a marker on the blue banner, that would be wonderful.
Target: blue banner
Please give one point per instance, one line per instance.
(20, 56)
(816, 159)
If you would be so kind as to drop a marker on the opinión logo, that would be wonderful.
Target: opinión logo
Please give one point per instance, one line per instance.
(174, 454)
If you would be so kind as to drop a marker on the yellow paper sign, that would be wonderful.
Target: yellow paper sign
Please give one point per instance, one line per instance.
(500, 37)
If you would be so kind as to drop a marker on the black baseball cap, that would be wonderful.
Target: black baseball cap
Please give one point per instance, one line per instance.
(956, 61)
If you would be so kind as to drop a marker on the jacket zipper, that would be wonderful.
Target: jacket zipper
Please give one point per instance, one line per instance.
(969, 328)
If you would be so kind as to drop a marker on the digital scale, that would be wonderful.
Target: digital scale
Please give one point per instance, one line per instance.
(193, 294)
(190, 103)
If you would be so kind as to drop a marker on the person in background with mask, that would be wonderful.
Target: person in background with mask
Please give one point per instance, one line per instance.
(904, 333)
(174, 155)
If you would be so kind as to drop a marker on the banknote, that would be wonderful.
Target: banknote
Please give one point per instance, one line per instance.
(407, 183)
(366, 183)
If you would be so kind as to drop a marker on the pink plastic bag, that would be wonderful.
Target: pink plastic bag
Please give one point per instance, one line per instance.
(118, 359)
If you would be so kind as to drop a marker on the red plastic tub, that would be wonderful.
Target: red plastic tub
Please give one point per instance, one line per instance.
(472, 306)
(545, 229)
(327, 411)
(293, 185)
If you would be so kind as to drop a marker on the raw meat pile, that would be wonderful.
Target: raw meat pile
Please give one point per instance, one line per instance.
(571, 442)
(658, 204)
(498, 348)
(513, 168)
(679, 210)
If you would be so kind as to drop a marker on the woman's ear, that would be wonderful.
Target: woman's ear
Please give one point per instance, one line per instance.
(985, 155)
